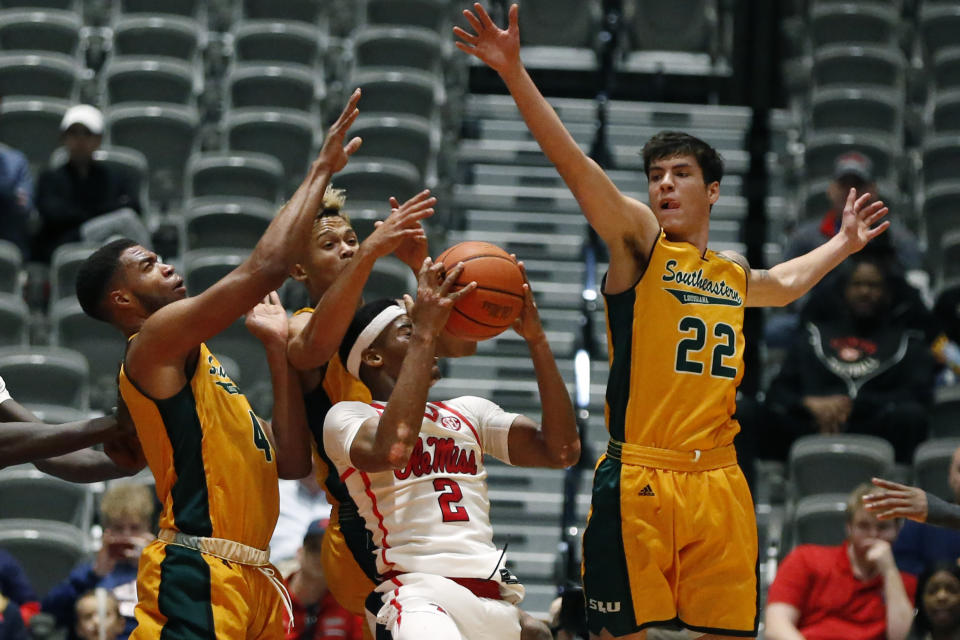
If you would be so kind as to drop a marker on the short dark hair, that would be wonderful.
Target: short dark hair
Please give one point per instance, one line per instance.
(95, 275)
(669, 144)
(361, 319)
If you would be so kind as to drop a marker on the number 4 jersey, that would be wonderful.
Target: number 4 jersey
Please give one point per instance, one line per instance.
(433, 515)
(676, 351)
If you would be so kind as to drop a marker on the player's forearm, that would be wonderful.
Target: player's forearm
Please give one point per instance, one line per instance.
(779, 628)
(787, 281)
(400, 423)
(899, 609)
(320, 338)
(558, 421)
(87, 465)
(289, 423)
(28, 441)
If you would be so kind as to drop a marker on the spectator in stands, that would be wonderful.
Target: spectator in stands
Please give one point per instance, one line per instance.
(316, 614)
(98, 617)
(12, 626)
(946, 347)
(853, 590)
(938, 603)
(921, 545)
(301, 502)
(83, 189)
(16, 198)
(15, 590)
(126, 513)
(863, 369)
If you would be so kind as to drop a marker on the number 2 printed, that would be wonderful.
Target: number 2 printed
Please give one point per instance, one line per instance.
(726, 348)
(450, 494)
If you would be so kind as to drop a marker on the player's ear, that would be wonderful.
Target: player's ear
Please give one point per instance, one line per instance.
(297, 273)
(371, 357)
(713, 191)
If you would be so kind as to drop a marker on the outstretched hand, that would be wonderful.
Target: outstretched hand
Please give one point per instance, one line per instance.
(497, 48)
(435, 298)
(401, 232)
(334, 154)
(268, 321)
(859, 218)
(528, 324)
(895, 500)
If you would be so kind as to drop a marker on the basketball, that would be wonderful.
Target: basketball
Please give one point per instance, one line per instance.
(498, 299)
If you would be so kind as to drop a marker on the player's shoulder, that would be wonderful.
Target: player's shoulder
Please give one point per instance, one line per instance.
(467, 404)
(736, 258)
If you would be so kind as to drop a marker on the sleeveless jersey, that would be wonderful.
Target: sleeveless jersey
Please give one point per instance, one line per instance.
(214, 468)
(432, 516)
(676, 351)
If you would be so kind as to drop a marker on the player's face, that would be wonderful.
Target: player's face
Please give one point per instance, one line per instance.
(678, 195)
(152, 282)
(393, 344)
(864, 530)
(866, 291)
(941, 600)
(333, 244)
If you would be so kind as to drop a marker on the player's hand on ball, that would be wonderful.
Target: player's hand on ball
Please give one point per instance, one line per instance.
(435, 299)
(528, 324)
(268, 321)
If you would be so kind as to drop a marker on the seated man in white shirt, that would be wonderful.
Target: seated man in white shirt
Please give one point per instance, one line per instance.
(415, 468)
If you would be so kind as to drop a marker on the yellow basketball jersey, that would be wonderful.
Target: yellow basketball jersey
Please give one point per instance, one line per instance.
(676, 351)
(214, 468)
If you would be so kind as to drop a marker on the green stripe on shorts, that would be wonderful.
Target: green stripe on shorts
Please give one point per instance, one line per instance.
(184, 595)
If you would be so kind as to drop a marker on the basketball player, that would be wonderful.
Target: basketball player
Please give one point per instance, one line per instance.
(672, 536)
(415, 468)
(214, 461)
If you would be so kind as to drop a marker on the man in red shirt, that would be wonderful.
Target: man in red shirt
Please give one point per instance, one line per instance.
(316, 614)
(853, 591)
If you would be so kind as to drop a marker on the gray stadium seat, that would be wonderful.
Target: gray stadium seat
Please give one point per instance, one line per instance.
(940, 157)
(931, 462)
(372, 183)
(681, 36)
(389, 278)
(157, 35)
(46, 375)
(47, 550)
(309, 11)
(945, 412)
(144, 79)
(55, 414)
(849, 110)
(189, 8)
(820, 519)
(164, 134)
(846, 65)
(821, 151)
(233, 173)
(11, 262)
(402, 137)
(102, 346)
(14, 320)
(286, 135)
(221, 223)
(379, 46)
(941, 214)
(397, 92)
(836, 463)
(945, 115)
(846, 23)
(945, 68)
(277, 85)
(39, 75)
(203, 268)
(64, 265)
(560, 35)
(949, 252)
(40, 30)
(431, 14)
(277, 41)
(65, 5)
(28, 493)
(938, 24)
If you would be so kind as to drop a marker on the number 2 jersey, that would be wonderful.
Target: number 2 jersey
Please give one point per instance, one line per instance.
(433, 515)
(215, 471)
(676, 350)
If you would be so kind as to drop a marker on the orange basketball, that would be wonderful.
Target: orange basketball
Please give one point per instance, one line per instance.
(492, 307)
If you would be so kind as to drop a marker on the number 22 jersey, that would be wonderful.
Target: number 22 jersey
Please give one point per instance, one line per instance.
(433, 515)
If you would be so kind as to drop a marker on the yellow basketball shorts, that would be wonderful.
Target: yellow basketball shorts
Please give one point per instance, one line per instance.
(189, 595)
(670, 544)
(346, 580)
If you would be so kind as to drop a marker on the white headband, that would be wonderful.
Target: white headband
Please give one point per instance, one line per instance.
(369, 334)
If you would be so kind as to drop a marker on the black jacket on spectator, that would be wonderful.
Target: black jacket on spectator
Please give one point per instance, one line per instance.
(66, 200)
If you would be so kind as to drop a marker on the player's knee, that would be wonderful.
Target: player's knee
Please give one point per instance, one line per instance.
(417, 625)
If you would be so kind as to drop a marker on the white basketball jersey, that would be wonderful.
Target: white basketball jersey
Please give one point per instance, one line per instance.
(432, 516)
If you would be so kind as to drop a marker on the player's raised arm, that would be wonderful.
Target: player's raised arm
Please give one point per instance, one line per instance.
(168, 334)
(787, 281)
(29, 441)
(556, 442)
(315, 337)
(615, 217)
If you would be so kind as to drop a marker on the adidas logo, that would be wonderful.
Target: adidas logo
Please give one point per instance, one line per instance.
(646, 491)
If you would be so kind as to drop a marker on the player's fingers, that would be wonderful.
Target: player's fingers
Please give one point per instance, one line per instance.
(467, 290)
(393, 203)
(466, 48)
(464, 35)
(274, 298)
(425, 267)
(877, 230)
(350, 108)
(851, 198)
(514, 17)
(352, 146)
(485, 19)
(473, 19)
(450, 278)
(862, 201)
(874, 216)
(887, 484)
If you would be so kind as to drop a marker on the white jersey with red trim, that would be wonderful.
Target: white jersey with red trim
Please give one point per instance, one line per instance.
(432, 516)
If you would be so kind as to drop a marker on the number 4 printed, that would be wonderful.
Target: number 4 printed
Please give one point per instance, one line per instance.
(260, 440)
